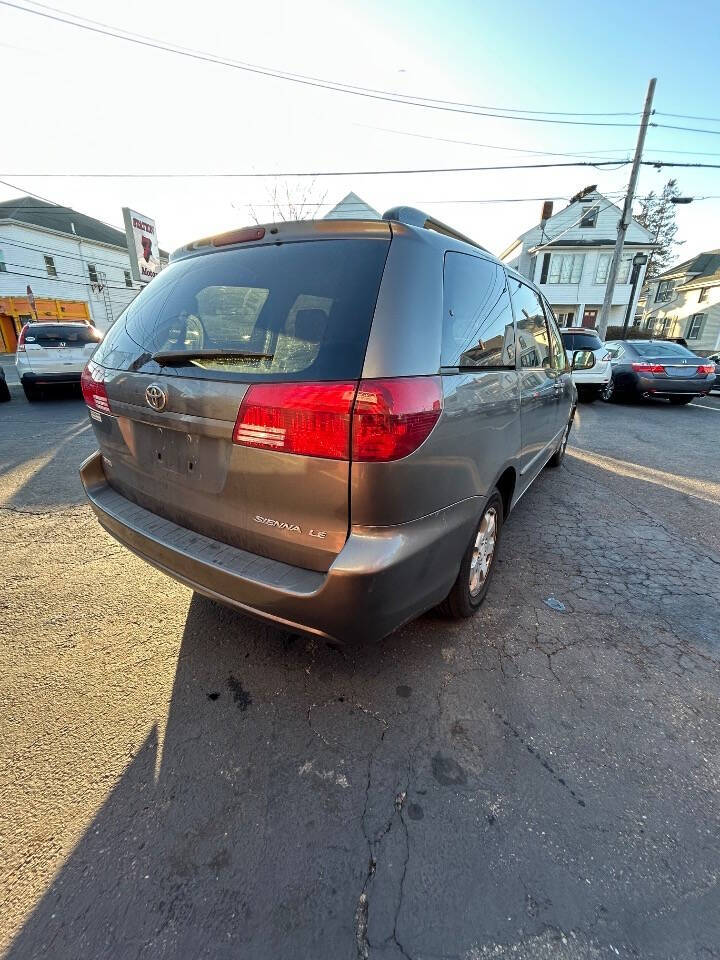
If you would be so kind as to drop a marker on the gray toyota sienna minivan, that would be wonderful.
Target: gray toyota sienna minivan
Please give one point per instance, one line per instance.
(326, 423)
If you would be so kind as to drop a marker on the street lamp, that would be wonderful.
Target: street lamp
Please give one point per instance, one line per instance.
(639, 260)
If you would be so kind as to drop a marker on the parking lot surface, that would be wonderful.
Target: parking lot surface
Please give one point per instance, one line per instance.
(178, 781)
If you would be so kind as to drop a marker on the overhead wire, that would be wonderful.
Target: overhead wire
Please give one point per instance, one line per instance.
(233, 175)
(118, 33)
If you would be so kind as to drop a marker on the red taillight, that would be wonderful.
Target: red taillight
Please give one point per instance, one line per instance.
(312, 419)
(390, 418)
(393, 417)
(21, 340)
(706, 368)
(648, 368)
(238, 236)
(93, 388)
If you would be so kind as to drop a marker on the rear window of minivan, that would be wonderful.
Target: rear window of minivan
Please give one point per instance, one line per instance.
(299, 310)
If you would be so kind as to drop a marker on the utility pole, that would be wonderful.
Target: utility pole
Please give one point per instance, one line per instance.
(626, 216)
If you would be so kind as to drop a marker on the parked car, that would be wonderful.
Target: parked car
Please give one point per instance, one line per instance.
(590, 383)
(657, 368)
(715, 358)
(50, 354)
(326, 424)
(4, 388)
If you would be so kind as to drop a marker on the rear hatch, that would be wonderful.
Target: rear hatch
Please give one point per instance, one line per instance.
(56, 348)
(279, 329)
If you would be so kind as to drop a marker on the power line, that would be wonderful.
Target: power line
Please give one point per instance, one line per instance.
(60, 253)
(487, 146)
(597, 164)
(320, 173)
(77, 283)
(346, 86)
(14, 186)
(97, 27)
(61, 274)
(686, 116)
(670, 126)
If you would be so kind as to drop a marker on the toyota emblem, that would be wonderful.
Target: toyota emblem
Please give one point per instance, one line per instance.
(155, 397)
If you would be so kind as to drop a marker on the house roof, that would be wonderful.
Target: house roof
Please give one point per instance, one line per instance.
(587, 195)
(352, 207)
(702, 269)
(52, 216)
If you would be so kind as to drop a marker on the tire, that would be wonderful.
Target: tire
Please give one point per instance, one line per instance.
(678, 401)
(464, 600)
(609, 393)
(4, 392)
(587, 394)
(30, 392)
(557, 458)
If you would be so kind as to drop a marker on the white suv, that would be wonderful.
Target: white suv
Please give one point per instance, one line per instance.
(53, 353)
(589, 383)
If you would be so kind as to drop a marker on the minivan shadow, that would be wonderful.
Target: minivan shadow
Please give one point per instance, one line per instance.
(236, 829)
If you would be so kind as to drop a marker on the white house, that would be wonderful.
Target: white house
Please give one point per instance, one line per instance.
(684, 301)
(352, 207)
(568, 255)
(58, 264)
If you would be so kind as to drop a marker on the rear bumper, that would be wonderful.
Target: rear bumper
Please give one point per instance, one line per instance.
(666, 386)
(383, 576)
(39, 379)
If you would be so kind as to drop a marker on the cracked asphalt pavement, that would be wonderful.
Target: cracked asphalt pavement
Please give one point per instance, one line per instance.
(178, 781)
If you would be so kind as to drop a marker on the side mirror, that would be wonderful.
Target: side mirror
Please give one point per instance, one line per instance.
(583, 360)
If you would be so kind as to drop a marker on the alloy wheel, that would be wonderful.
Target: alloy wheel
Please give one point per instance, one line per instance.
(483, 551)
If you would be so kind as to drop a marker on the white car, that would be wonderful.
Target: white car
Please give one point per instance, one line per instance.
(589, 383)
(53, 353)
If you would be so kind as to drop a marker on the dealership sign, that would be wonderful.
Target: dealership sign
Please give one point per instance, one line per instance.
(142, 245)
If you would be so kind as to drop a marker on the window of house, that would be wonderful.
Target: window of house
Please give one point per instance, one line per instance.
(665, 291)
(624, 270)
(3, 268)
(532, 332)
(477, 318)
(565, 268)
(92, 273)
(695, 326)
(702, 296)
(566, 318)
(50, 266)
(589, 217)
(602, 269)
(128, 278)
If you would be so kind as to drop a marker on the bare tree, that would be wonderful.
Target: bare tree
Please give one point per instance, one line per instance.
(288, 201)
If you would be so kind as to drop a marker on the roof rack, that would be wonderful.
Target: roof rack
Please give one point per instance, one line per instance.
(417, 218)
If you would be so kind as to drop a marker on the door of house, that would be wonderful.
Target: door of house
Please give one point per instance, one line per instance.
(589, 318)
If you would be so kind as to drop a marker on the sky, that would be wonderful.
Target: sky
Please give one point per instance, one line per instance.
(80, 103)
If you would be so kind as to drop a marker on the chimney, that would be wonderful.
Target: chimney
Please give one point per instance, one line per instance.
(547, 209)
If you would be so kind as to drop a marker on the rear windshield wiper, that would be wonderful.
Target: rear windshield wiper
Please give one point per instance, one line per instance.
(173, 357)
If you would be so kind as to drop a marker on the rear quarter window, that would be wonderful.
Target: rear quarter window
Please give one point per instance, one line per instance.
(478, 326)
(299, 310)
